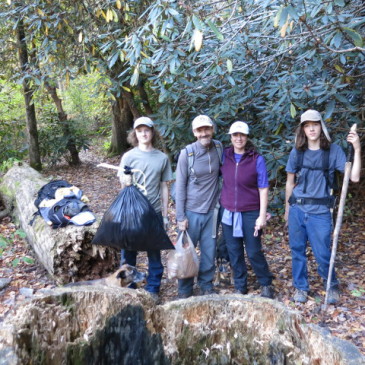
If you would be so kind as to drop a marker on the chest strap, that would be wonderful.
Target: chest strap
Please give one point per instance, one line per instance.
(329, 202)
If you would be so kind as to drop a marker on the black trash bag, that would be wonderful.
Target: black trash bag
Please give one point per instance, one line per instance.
(131, 223)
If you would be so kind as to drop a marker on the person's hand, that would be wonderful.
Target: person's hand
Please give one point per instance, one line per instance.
(286, 214)
(259, 224)
(166, 223)
(183, 225)
(354, 139)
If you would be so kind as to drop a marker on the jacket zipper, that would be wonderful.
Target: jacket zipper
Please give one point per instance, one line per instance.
(235, 187)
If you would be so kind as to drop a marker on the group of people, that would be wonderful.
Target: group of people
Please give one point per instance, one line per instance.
(232, 183)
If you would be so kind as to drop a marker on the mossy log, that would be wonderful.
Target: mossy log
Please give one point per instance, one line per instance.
(66, 253)
(95, 325)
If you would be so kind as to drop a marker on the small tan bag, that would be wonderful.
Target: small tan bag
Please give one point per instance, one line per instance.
(183, 262)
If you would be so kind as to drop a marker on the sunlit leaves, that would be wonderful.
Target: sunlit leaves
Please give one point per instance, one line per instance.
(197, 39)
(293, 111)
(355, 36)
(216, 31)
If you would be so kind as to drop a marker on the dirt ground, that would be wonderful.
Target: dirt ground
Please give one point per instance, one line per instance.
(345, 320)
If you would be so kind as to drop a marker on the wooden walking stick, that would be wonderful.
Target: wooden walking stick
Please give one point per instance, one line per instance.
(336, 232)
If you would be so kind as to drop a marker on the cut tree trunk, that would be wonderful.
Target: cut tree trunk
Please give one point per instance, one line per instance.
(66, 253)
(95, 325)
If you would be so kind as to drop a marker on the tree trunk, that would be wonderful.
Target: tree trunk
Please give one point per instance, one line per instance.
(62, 116)
(144, 98)
(95, 325)
(122, 122)
(32, 132)
(66, 253)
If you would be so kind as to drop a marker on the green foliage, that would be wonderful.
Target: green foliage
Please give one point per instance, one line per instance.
(6, 244)
(86, 100)
(264, 62)
(55, 135)
(358, 292)
(12, 135)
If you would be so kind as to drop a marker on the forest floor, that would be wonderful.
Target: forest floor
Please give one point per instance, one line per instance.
(345, 320)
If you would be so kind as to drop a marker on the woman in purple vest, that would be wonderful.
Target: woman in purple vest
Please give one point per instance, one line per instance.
(244, 200)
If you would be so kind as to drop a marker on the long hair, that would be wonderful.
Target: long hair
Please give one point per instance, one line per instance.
(250, 146)
(301, 140)
(132, 138)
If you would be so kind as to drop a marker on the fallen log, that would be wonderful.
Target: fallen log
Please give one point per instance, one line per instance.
(66, 253)
(95, 325)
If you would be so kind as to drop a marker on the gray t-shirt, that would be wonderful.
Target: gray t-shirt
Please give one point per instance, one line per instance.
(316, 186)
(156, 167)
(201, 195)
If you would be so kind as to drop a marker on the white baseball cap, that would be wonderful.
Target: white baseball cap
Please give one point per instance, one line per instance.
(143, 121)
(201, 121)
(313, 116)
(239, 127)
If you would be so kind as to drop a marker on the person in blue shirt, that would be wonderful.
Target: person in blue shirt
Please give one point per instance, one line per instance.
(308, 199)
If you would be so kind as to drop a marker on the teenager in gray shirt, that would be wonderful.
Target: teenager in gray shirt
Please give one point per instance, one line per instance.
(197, 193)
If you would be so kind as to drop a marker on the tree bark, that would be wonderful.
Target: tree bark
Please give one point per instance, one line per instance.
(122, 122)
(32, 132)
(66, 253)
(96, 325)
(144, 98)
(62, 116)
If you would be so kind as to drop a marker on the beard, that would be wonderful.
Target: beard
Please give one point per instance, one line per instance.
(205, 141)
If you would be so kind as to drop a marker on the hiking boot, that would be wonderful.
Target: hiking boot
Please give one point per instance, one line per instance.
(240, 291)
(155, 297)
(300, 296)
(207, 291)
(333, 296)
(184, 295)
(267, 291)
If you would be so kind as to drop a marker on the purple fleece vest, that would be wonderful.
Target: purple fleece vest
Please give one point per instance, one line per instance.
(240, 192)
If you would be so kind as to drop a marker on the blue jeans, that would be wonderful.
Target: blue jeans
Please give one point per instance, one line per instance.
(315, 228)
(155, 267)
(200, 230)
(236, 250)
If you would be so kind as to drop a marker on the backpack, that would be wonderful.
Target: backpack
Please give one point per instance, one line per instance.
(48, 191)
(191, 157)
(61, 212)
(325, 168)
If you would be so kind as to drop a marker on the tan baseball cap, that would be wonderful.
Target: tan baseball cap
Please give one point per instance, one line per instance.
(239, 127)
(313, 116)
(202, 121)
(143, 121)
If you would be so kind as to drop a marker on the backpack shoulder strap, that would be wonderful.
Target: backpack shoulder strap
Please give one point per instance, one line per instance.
(219, 147)
(299, 161)
(190, 155)
(326, 166)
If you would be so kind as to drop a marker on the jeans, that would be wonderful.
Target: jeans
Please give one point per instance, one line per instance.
(236, 250)
(315, 228)
(200, 229)
(155, 267)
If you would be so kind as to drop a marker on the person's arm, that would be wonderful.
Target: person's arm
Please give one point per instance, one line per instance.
(121, 171)
(264, 197)
(290, 183)
(164, 203)
(181, 190)
(353, 138)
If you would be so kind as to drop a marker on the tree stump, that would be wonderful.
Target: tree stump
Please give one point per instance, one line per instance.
(95, 325)
(66, 253)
